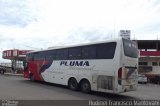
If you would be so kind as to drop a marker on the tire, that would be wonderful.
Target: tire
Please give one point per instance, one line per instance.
(1, 71)
(73, 84)
(32, 77)
(85, 86)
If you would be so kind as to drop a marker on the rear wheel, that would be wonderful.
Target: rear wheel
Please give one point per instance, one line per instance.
(85, 86)
(73, 84)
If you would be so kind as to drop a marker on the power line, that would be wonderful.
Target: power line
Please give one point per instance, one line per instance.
(31, 47)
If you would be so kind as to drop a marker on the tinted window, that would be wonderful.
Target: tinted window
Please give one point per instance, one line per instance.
(29, 56)
(130, 48)
(50, 55)
(97, 51)
(89, 52)
(42, 55)
(62, 54)
(36, 56)
(39, 56)
(75, 53)
(154, 63)
(143, 63)
(106, 50)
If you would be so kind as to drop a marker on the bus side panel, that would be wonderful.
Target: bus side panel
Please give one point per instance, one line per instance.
(98, 72)
(105, 77)
(60, 73)
(97, 69)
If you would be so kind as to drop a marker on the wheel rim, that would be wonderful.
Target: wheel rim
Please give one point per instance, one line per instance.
(85, 87)
(73, 84)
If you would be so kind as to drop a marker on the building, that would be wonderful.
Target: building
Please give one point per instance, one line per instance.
(17, 57)
(149, 59)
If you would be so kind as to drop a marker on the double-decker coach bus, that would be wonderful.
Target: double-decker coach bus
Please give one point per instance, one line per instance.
(109, 66)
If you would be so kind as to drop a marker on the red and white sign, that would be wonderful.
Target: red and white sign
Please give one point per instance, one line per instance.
(15, 54)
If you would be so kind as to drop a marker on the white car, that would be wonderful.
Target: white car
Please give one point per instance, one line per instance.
(142, 79)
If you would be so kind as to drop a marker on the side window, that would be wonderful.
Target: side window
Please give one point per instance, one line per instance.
(62, 54)
(42, 55)
(140, 63)
(106, 50)
(39, 56)
(29, 57)
(75, 53)
(50, 55)
(143, 63)
(154, 64)
(36, 56)
(89, 52)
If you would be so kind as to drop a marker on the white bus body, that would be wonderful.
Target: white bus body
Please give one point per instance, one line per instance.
(116, 75)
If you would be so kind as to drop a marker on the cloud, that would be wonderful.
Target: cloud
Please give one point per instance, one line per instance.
(15, 13)
(4, 39)
(36, 24)
(83, 35)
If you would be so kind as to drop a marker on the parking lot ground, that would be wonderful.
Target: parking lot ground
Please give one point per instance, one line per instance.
(18, 88)
(146, 91)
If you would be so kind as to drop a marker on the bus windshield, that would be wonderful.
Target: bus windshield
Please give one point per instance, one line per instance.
(130, 48)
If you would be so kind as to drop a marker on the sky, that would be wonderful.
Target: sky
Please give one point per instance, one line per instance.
(39, 24)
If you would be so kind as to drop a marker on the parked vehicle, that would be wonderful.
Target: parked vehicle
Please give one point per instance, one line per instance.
(155, 79)
(2, 70)
(142, 79)
(109, 66)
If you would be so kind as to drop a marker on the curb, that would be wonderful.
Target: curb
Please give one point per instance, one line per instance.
(11, 74)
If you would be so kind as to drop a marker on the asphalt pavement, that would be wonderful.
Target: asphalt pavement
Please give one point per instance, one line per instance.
(19, 88)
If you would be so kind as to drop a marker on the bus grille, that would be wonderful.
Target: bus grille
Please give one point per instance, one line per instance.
(105, 82)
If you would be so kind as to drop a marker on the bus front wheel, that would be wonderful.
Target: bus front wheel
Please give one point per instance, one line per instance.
(85, 86)
(72, 84)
